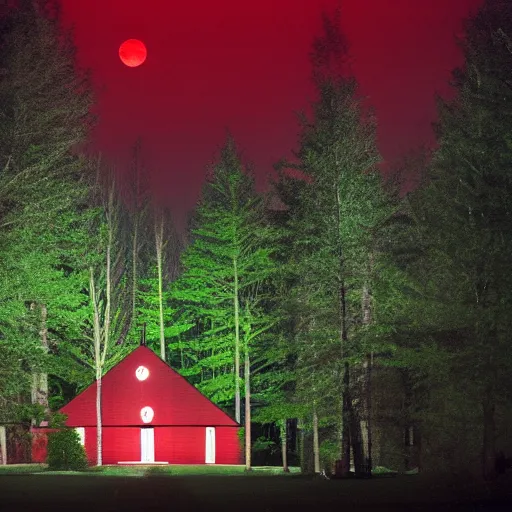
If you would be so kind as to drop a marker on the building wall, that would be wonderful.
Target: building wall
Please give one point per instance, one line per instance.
(90, 444)
(120, 444)
(180, 445)
(175, 445)
(173, 399)
(228, 446)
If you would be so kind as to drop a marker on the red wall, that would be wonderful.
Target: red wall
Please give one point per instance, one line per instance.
(228, 446)
(180, 445)
(174, 400)
(120, 444)
(181, 414)
(187, 445)
(90, 445)
(175, 445)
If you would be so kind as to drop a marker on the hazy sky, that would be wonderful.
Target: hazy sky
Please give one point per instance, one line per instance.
(242, 65)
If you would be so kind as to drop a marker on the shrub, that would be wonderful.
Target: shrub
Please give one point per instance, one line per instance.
(65, 453)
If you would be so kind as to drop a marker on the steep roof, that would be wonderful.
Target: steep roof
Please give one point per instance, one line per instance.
(173, 399)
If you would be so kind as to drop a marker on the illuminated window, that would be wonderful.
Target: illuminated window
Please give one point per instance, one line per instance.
(146, 414)
(142, 373)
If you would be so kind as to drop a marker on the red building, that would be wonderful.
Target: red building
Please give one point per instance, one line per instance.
(151, 414)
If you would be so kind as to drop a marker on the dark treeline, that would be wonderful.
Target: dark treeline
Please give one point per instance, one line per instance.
(342, 320)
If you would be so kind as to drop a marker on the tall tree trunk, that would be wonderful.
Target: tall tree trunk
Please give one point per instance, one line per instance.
(99, 425)
(356, 438)
(300, 445)
(369, 420)
(135, 242)
(97, 362)
(316, 444)
(236, 305)
(365, 394)
(284, 444)
(159, 246)
(40, 379)
(489, 434)
(247, 379)
(345, 389)
(3, 445)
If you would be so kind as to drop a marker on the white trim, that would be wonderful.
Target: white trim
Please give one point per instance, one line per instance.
(81, 434)
(147, 445)
(209, 455)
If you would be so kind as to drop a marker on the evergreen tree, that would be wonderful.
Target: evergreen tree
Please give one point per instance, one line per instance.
(45, 105)
(222, 286)
(336, 226)
(464, 225)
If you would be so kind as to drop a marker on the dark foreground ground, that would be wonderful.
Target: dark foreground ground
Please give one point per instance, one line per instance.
(249, 493)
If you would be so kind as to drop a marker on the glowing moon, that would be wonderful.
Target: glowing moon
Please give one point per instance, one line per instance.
(133, 53)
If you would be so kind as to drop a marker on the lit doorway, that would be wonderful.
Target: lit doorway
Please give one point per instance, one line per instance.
(210, 445)
(147, 445)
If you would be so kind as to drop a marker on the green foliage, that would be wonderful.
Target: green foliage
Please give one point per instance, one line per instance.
(460, 352)
(65, 453)
(329, 453)
(241, 437)
(44, 105)
(340, 291)
(262, 444)
(222, 288)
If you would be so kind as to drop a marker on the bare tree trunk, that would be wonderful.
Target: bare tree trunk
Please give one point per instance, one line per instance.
(345, 390)
(159, 246)
(3, 446)
(236, 305)
(300, 445)
(99, 425)
(40, 379)
(489, 434)
(97, 362)
(356, 438)
(369, 422)
(316, 444)
(247, 380)
(284, 444)
(135, 241)
(365, 391)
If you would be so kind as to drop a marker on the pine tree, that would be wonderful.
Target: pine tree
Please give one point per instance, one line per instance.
(222, 286)
(335, 229)
(463, 216)
(45, 105)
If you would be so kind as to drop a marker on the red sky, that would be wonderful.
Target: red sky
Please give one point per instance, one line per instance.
(243, 65)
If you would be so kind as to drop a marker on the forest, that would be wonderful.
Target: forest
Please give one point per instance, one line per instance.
(343, 322)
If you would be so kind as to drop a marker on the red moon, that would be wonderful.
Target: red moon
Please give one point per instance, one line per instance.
(133, 53)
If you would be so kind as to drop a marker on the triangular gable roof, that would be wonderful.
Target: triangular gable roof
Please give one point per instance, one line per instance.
(173, 399)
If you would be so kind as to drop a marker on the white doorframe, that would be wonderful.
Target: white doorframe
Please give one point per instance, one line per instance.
(210, 446)
(147, 445)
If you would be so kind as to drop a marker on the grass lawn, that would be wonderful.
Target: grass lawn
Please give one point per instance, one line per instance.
(151, 470)
(210, 488)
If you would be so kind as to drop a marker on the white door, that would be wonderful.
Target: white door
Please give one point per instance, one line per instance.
(147, 445)
(210, 445)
